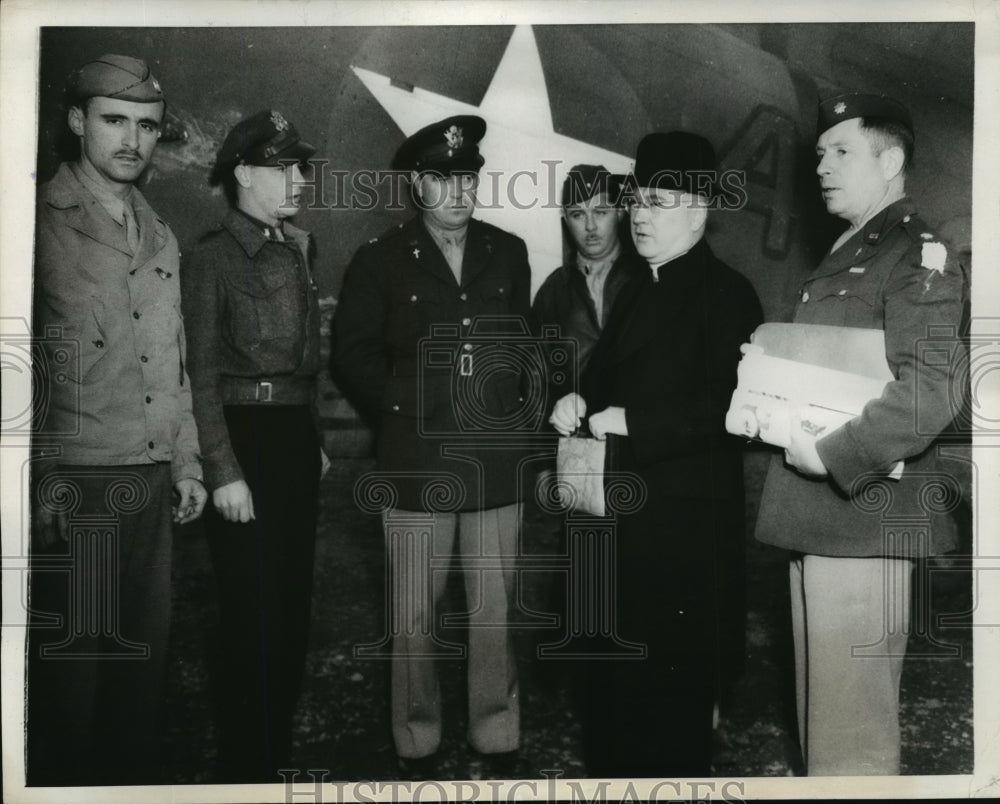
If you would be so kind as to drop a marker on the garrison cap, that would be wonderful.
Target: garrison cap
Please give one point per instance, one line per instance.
(113, 76)
(861, 104)
(265, 138)
(448, 146)
(583, 182)
(678, 160)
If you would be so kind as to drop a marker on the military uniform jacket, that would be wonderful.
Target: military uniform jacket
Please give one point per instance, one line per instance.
(110, 324)
(434, 364)
(253, 313)
(893, 275)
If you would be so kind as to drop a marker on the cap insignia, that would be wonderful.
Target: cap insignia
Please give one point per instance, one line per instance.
(840, 108)
(453, 136)
(278, 121)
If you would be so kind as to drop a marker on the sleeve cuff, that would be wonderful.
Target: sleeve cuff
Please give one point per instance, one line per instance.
(844, 457)
(182, 470)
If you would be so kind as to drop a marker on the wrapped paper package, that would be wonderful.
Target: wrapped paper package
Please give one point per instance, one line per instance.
(824, 374)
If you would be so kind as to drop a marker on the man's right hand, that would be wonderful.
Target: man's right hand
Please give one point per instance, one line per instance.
(234, 501)
(567, 416)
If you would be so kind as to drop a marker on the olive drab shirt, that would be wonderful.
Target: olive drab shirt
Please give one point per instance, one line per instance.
(109, 322)
(896, 275)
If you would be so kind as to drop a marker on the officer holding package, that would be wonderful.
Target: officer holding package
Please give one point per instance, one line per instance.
(107, 311)
(442, 276)
(829, 499)
(253, 321)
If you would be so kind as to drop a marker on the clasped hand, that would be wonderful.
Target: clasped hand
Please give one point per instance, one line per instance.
(568, 413)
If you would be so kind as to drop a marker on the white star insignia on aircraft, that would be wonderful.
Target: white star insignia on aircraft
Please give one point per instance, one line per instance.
(526, 160)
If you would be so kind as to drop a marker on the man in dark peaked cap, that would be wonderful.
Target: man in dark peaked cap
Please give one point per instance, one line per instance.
(832, 496)
(444, 416)
(253, 329)
(107, 311)
(658, 384)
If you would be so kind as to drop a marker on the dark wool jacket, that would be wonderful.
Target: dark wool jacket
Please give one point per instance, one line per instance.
(252, 311)
(437, 366)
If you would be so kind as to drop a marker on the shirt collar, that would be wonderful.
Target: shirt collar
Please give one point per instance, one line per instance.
(442, 236)
(253, 234)
(592, 268)
(113, 205)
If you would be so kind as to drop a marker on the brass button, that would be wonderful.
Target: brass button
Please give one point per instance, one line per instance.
(466, 322)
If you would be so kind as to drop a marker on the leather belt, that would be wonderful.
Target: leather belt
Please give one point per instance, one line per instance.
(273, 391)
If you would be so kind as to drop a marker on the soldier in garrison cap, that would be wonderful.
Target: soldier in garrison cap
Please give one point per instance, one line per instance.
(107, 281)
(253, 330)
(850, 574)
(434, 277)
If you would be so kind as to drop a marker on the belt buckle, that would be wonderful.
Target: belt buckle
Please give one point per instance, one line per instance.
(266, 386)
(465, 366)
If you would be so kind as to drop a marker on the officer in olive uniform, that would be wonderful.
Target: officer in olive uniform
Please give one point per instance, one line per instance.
(253, 322)
(446, 412)
(830, 499)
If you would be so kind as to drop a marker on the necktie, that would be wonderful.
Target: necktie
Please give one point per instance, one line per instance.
(131, 228)
(453, 254)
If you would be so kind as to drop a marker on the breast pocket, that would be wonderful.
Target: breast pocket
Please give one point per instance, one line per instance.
(262, 305)
(495, 296)
(848, 300)
(414, 313)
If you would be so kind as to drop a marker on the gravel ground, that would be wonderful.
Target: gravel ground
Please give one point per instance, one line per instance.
(342, 725)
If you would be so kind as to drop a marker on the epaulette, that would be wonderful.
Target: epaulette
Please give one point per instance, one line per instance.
(387, 235)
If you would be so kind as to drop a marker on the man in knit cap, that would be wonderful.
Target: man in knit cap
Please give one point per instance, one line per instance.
(119, 414)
